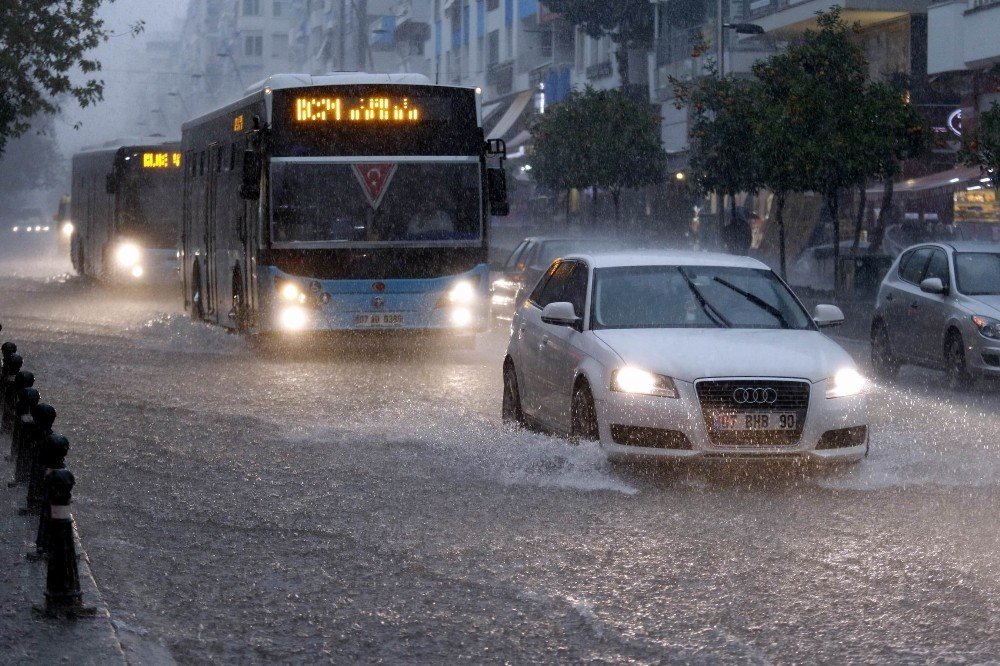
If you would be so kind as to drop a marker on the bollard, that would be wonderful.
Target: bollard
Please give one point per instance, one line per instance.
(53, 456)
(22, 420)
(62, 580)
(22, 380)
(44, 416)
(11, 366)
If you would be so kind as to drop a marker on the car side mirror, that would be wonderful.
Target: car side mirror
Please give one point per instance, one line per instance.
(933, 286)
(496, 183)
(250, 187)
(560, 313)
(826, 316)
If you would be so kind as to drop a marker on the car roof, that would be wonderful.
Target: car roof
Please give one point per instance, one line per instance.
(572, 239)
(973, 246)
(666, 258)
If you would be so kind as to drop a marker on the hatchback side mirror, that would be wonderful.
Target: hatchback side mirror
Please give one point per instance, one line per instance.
(560, 313)
(933, 285)
(826, 316)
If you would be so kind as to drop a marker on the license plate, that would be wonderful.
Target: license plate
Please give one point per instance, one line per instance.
(378, 319)
(756, 421)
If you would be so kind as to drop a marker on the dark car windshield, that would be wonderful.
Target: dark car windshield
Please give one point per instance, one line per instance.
(978, 273)
(694, 297)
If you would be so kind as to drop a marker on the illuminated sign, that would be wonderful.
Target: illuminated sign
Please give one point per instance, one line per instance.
(955, 122)
(366, 110)
(238, 123)
(161, 160)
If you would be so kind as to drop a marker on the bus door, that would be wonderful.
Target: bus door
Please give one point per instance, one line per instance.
(211, 251)
(249, 230)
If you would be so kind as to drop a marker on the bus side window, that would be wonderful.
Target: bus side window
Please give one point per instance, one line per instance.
(201, 163)
(232, 156)
(218, 158)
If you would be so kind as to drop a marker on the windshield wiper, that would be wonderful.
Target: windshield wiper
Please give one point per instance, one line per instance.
(756, 300)
(717, 318)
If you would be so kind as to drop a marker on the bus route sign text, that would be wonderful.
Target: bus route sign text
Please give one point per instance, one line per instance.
(161, 160)
(364, 110)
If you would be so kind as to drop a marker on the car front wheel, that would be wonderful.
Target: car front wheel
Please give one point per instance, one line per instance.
(884, 364)
(511, 410)
(959, 377)
(584, 415)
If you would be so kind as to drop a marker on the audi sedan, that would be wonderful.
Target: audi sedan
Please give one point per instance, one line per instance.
(682, 355)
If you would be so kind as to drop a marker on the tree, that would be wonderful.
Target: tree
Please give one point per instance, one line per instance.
(628, 22)
(41, 43)
(981, 146)
(30, 162)
(599, 138)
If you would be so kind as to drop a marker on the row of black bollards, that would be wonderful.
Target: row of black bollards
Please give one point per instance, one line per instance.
(39, 454)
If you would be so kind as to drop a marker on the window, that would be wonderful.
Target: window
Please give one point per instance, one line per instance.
(218, 159)
(576, 288)
(514, 256)
(251, 7)
(232, 156)
(278, 8)
(253, 46)
(493, 48)
(911, 268)
(492, 4)
(279, 45)
(553, 288)
(201, 163)
(938, 267)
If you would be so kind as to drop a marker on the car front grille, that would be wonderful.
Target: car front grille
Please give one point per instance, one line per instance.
(717, 397)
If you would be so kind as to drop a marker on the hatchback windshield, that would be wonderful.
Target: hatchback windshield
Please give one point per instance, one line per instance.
(978, 273)
(694, 297)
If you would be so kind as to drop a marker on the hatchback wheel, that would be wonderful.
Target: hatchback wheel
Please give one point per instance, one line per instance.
(959, 377)
(511, 410)
(884, 364)
(584, 415)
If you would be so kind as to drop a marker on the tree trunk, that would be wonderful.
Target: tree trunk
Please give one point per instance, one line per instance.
(616, 196)
(860, 219)
(593, 207)
(878, 233)
(779, 217)
(833, 205)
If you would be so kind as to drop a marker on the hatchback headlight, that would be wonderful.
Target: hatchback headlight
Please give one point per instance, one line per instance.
(988, 326)
(846, 382)
(634, 380)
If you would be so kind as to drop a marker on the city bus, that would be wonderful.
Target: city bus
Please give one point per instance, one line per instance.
(341, 202)
(125, 211)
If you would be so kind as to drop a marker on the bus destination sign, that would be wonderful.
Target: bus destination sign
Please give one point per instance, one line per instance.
(161, 160)
(360, 110)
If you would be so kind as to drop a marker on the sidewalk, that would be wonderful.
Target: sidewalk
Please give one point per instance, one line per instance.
(25, 639)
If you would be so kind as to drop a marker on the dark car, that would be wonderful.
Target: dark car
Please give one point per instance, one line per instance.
(529, 261)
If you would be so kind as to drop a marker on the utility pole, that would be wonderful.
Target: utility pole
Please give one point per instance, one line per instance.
(362, 9)
(342, 27)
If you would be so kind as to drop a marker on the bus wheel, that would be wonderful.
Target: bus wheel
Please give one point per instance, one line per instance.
(197, 304)
(238, 313)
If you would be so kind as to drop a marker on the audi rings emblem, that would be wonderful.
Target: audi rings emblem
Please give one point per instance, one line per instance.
(755, 396)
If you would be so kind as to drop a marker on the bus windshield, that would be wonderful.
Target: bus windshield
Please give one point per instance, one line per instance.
(150, 212)
(324, 204)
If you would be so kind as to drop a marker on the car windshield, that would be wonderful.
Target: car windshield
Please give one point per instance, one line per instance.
(694, 297)
(978, 273)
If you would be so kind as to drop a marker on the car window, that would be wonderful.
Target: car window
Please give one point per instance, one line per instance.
(914, 265)
(555, 285)
(536, 294)
(938, 267)
(514, 256)
(576, 288)
(527, 257)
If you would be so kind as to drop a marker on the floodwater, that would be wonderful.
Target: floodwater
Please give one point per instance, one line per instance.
(365, 503)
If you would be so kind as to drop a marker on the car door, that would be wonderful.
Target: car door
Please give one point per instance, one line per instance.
(932, 310)
(903, 304)
(531, 332)
(560, 352)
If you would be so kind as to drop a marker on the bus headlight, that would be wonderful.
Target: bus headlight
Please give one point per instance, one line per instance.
(67, 229)
(293, 318)
(290, 291)
(127, 255)
(462, 293)
(461, 317)
(137, 271)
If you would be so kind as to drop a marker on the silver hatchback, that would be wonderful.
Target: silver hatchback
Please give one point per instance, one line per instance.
(939, 306)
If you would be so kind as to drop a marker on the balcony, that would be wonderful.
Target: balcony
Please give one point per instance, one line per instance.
(413, 20)
(501, 76)
(962, 35)
(794, 16)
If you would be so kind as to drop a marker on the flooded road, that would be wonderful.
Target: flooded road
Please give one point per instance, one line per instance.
(365, 503)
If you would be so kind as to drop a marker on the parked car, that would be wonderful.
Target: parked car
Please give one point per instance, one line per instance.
(812, 268)
(528, 262)
(682, 355)
(939, 306)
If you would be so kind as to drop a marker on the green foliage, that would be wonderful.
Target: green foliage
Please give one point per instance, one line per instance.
(598, 137)
(41, 43)
(981, 146)
(629, 22)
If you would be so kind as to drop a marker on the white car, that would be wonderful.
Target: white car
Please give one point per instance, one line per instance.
(682, 355)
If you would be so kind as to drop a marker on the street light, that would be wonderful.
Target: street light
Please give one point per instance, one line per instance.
(739, 28)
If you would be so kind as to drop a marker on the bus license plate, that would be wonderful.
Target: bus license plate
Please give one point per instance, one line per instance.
(378, 319)
(756, 421)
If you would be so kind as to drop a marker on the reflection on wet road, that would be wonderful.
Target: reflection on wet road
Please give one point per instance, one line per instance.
(256, 504)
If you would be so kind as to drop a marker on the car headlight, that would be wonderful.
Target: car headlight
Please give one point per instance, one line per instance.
(846, 382)
(462, 293)
(290, 291)
(988, 327)
(634, 380)
(127, 255)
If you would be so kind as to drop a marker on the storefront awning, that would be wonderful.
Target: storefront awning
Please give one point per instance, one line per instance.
(952, 179)
(510, 116)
